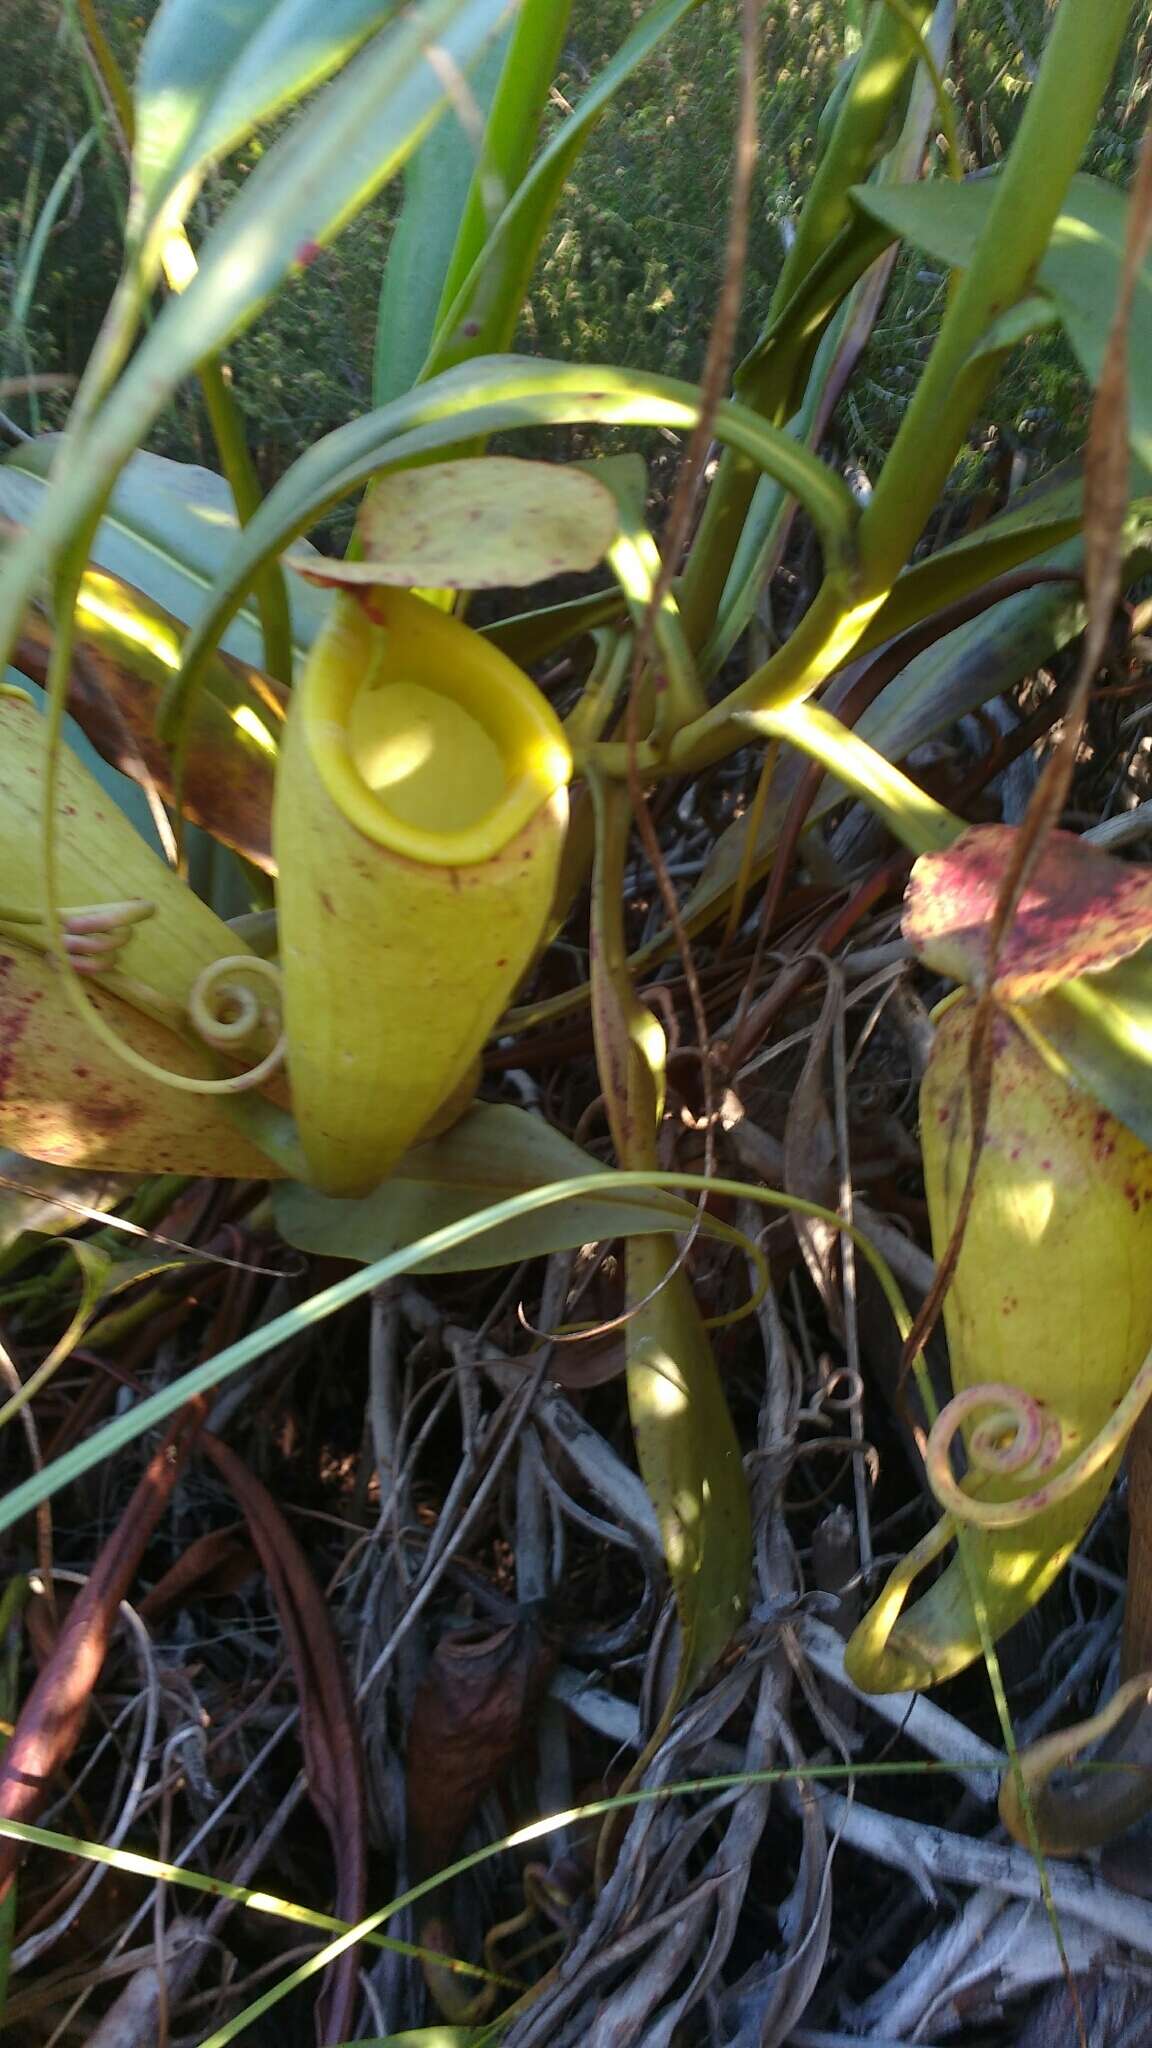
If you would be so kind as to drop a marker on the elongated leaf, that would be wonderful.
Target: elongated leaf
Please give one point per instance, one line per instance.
(341, 151)
(1080, 270)
(169, 530)
(436, 187)
(528, 636)
(25, 291)
(148, 1413)
(492, 1152)
(425, 2037)
(210, 71)
(956, 675)
(483, 315)
(689, 1456)
(27, 1207)
(513, 127)
(477, 525)
(976, 661)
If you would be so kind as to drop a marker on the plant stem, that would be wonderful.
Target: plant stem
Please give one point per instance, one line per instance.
(268, 586)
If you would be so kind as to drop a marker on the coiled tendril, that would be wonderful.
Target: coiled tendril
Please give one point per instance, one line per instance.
(225, 1011)
(1022, 1436)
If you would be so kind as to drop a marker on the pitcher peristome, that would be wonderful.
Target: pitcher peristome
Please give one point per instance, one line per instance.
(421, 805)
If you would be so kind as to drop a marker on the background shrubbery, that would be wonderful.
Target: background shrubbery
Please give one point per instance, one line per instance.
(630, 273)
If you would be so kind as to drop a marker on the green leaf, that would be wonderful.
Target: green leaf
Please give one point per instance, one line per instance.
(24, 291)
(510, 138)
(1097, 1031)
(493, 1152)
(477, 525)
(1080, 270)
(169, 531)
(210, 71)
(155, 1409)
(960, 671)
(340, 152)
(689, 1457)
(27, 1208)
(436, 188)
(425, 2037)
(943, 218)
(977, 661)
(528, 636)
(482, 319)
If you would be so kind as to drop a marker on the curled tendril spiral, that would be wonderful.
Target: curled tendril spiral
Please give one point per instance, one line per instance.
(225, 1011)
(1021, 1437)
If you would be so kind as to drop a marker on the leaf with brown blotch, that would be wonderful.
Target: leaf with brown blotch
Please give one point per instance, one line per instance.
(328, 1726)
(1081, 912)
(51, 1720)
(65, 1097)
(469, 1720)
(125, 652)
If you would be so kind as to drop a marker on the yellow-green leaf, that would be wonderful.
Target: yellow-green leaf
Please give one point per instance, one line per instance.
(476, 525)
(493, 1152)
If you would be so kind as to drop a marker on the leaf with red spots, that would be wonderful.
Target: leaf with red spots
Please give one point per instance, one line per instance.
(1082, 912)
(67, 1098)
(476, 525)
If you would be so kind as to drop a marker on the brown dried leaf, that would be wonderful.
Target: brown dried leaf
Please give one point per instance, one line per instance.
(217, 1563)
(328, 1726)
(51, 1720)
(469, 1721)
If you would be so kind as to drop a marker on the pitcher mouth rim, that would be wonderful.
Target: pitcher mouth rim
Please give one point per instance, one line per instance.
(444, 655)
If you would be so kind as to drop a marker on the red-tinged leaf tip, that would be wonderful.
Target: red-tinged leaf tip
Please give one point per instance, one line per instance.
(1081, 912)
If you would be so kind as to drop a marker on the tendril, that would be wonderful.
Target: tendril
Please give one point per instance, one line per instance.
(224, 1011)
(1021, 1437)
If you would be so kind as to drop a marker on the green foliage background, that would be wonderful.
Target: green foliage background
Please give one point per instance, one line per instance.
(631, 271)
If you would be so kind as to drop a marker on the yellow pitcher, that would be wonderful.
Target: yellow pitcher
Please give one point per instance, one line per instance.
(421, 804)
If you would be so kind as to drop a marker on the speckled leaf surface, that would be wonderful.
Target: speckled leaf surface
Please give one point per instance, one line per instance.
(476, 525)
(1081, 912)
